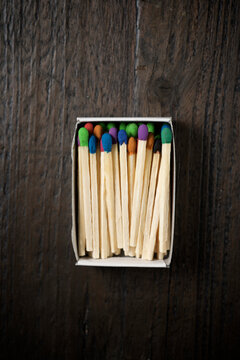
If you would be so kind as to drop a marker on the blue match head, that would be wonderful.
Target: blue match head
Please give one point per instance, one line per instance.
(92, 144)
(122, 137)
(107, 142)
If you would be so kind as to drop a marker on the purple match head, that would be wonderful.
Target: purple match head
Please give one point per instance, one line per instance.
(143, 132)
(78, 142)
(114, 133)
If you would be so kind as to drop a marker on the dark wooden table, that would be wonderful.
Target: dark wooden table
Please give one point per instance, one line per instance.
(63, 59)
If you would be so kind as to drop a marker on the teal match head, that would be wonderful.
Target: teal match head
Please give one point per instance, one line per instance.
(110, 126)
(92, 144)
(122, 126)
(107, 142)
(151, 127)
(83, 135)
(132, 130)
(166, 134)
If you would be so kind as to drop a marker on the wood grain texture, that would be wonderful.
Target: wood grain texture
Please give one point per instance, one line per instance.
(65, 59)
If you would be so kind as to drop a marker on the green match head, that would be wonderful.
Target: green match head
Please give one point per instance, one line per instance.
(83, 135)
(166, 134)
(151, 127)
(110, 126)
(132, 130)
(157, 137)
(122, 126)
(104, 126)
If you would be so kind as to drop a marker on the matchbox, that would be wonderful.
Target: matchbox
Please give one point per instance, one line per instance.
(120, 260)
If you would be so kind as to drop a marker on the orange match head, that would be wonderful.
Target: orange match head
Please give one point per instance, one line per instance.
(132, 145)
(98, 131)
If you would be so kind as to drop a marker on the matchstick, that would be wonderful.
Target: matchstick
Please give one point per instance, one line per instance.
(117, 189)
(164, 224)
(151, 195)
(83, 138)
(122, 139)
(148, 164)
(94, 193)
(109, 183)
(138, 183)
(81, 225)
(105, 248)
(132, 131)
(98, 131)
(131, 159)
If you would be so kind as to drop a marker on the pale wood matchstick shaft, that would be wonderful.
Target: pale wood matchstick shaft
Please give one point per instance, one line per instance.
(103, 215)
(164, 225)
(95, 214)
(137, 195)
(124, 195)
(110, 199)
(87, 197)
(140, 237)
(81, 222)
(117, 190)
(150, 202)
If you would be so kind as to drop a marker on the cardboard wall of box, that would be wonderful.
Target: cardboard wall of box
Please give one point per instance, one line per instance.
(119, 261)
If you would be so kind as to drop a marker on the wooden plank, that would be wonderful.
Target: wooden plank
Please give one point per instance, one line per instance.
(65, 59)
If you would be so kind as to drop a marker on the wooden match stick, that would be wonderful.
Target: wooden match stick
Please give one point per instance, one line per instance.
(83, 138)
(131, 158)
(105, 248)
(122, 139)
(147, 171)
(138, 183)
(117, 189)
(151, 195)
(164, 225)
(109, 183)
(81, 224)
(94, 193)
(132, 132)
(98, 131)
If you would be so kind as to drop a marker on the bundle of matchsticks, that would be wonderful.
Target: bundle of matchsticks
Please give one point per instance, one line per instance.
(124, 198)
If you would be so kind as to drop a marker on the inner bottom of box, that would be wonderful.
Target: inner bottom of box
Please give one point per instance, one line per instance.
(121, 261)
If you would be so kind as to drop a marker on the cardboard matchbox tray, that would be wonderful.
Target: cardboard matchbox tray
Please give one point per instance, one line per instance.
(120, 261)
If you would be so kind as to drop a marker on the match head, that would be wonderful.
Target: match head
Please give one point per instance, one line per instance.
(92, 144)
(132, 145)
(142, 132)
(150, 141)
(114, 133)
(132, 130)
(122, 126)
(98, 131)
(101, 146)
(103, 125)
(110, 125)
(122, 137)
(166, 134)
(157, 145)
(78, 142)
(151, 127)
(89, 127)
(83, 136)
(107, 142)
